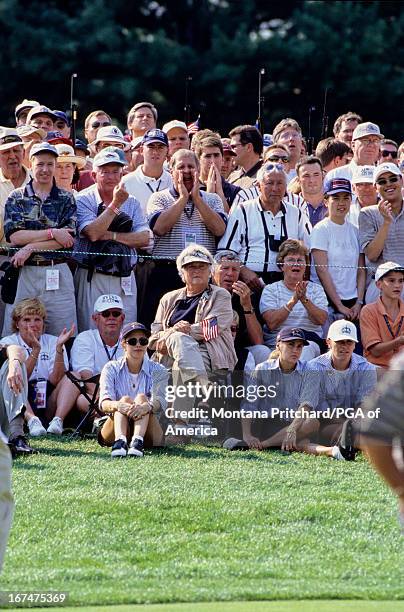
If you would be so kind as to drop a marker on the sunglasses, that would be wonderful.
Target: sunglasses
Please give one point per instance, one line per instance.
(276, 158)
(134, 341)
(111, 313)
(393, 154)
(269, 167)
(392, 179)
(98, 124)
(234, 328)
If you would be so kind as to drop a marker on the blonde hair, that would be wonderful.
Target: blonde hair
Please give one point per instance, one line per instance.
(28, 306)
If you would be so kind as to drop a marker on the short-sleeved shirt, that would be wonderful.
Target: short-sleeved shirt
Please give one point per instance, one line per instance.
(116, 381)
(190, 226)
(341, 243)
(88, 202)
(47, 354)
(90, 353)
(142, 187)
(375, 329)
(370, 221)
(345, 172)
(6, 187)
(24, 210)
(256, 234)
(324, 387)
(274, 296)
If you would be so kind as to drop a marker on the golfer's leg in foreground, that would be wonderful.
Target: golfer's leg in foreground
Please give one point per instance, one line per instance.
(6, 498)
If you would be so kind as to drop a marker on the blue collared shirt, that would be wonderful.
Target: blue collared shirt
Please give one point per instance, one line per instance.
(116, 381)
(326, 387)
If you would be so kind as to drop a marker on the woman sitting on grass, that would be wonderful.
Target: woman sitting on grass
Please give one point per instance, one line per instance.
(132, 392)
(46, 361)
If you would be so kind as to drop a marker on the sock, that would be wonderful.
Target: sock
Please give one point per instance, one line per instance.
(16, 427)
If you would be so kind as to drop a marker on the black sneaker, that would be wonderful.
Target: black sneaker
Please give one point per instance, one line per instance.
(136, 448)
(346, 440)
(119, 448)
(20, 446)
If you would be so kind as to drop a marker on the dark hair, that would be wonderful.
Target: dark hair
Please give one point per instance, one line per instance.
(308, 159)
(389, 141)
(249, 134)
(349, 116)
(209, 141)
(330, 148)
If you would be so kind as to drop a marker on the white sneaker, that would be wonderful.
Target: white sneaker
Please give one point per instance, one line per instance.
(336, 453)
(35, 427)
(56, 426)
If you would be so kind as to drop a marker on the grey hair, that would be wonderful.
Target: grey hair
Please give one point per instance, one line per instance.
(183, 153)
(269, 167)
(190, 250)
(225, 254)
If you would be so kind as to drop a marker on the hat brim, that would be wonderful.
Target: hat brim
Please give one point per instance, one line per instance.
(342, 337)
(291, 338)
(110, 139)
(339, 190)
(73, 159)
(381, 136)
(146, 142)
(11, 145)
(39, 131)
(193, 259)
(398, 269)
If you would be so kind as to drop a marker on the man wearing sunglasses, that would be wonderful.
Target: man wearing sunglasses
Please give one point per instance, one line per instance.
(388, 151)
(246, 142)
(366, 141)
(381, 227)
(93, 122)
(91, 350)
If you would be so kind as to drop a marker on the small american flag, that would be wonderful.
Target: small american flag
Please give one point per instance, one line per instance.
(193, 128)
(210, 329)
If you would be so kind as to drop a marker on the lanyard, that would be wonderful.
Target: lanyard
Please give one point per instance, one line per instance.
(389, 326)
(154, 190)
(112, 355)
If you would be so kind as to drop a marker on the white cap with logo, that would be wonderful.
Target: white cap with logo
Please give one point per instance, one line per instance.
(342, 330)
(384, 168)
(386, 267)
(363, 174)
(366, 129)
(105, 302)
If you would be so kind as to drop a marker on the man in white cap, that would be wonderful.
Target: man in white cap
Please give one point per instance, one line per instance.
(42, 117)
(109, 136)
(337, 379)
(22, 110)
(91, 350)
(99, 207)
(41, 217)
(30, 135)
(382, 322)
(381, 227)
(364, 191)
(177, 134)
(366, 140)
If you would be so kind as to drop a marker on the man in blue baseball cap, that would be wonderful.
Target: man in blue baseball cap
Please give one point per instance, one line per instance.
(62, 123)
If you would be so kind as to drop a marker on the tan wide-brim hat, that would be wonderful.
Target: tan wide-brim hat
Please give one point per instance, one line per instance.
(66, 155)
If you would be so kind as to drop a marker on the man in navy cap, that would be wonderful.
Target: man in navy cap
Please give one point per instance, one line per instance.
(41, 217)
(62, 123)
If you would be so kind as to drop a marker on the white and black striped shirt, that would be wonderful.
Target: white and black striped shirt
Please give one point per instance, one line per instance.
(256, 234)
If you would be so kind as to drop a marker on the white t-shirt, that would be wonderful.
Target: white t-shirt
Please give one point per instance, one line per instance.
(277, 294)
(142, 187)
(341, 242)
(46, 360)
(89, 352)
(345, 172)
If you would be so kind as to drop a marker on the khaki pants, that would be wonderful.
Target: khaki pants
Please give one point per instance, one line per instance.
(6, 498)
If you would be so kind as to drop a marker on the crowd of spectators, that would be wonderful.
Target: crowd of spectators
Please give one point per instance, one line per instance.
(150, 257)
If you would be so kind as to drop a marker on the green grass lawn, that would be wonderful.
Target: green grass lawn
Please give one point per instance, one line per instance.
(200, 524)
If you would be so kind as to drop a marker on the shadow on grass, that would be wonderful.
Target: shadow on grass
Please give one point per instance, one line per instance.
(213, 452)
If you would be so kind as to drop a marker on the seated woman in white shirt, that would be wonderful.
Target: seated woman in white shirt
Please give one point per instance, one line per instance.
(46, 361)
(133, 393)
(338, 262)
(295, 302)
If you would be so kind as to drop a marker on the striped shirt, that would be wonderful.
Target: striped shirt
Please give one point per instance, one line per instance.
(370, 221)
(256, 234)
(326, 387)
(116, 381)
(190, 227)
(253, 192)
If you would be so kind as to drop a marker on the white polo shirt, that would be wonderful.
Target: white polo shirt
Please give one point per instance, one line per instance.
(142, 187)
(90, 353)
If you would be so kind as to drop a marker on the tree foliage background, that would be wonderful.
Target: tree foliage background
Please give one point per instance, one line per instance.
(125, 52)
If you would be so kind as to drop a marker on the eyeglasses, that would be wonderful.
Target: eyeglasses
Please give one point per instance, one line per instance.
(98, 124)
(276, 158)
(111, 313)
(368, 141)
(134, 341)
(393, 154)
(392, 179)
